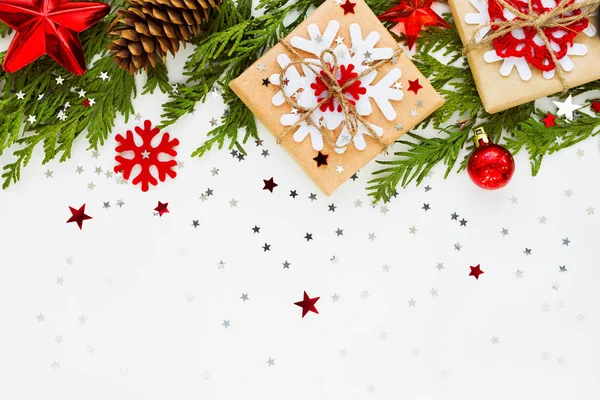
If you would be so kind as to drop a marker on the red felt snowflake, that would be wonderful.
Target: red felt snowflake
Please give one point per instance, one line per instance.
(353, 92)
(527, 43)
(146, 155)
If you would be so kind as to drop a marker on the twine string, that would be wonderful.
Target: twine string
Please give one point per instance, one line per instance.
(327, 71)
(556, 18)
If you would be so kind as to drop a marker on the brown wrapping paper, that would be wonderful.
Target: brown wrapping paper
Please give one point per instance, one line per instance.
(499, 93)
(248, 86)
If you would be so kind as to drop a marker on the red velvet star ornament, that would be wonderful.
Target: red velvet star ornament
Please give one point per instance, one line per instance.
(414, 86)
(596, 106)
(550, 120)
(48, 27)
(162, 208)
(414, 14)
(476, 271)
(308, 304)
(78, 216)
(348, 7)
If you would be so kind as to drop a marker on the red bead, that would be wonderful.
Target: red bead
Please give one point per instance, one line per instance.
(491, 166)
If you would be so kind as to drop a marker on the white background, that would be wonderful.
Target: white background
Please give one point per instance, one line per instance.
(140, 309)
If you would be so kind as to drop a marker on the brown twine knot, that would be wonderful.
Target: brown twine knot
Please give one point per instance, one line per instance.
(327, 71)
(556, 18)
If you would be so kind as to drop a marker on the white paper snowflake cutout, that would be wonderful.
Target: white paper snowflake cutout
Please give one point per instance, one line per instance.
(301, 85)
(481, 17)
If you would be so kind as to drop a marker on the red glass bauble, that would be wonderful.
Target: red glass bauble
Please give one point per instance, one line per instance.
(491, 166)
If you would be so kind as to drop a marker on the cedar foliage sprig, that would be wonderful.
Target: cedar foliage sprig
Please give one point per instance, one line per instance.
(415, 163)
(539, 141)
(44, 99)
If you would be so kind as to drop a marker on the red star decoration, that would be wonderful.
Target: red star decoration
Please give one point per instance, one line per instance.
(596, 106)
(308, 304)
(162, 208)
(348, 7)
(78, 216)
(321, 159)
(86, 103)
(414, 86)
(269, 185)
(414, 14)
(550, 120)
(476, 271)
(48, 27)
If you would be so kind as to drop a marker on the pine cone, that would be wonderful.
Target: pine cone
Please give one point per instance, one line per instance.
(148, 29)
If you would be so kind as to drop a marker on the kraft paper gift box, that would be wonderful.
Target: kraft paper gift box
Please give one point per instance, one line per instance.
(392, 99)
(499, 93)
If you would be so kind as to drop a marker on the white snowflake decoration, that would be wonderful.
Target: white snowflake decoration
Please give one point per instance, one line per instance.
(482, 17)
(298, 85)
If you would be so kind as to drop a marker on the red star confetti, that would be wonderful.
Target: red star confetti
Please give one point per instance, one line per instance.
(86, 103)
(269, 185)
(596, 106)
(78, 216)
(414, 86)
(550, 120)
(321, 159)
(348, 7)
(48, 27)
(162, 208)
(476, 271)
(308, 304)
(414, 14)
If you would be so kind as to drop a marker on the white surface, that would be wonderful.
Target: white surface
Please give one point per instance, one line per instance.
(154, 298)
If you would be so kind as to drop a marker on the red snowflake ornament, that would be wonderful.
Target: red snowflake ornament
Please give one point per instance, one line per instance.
(146, 156)
(528, 44)
(353, 91)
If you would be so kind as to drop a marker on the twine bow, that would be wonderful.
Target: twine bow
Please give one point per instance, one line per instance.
(328, 70)
(559, 17)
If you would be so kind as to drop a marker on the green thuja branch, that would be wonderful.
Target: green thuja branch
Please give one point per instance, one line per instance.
(158, 77)
(456, 85)
(439, 73)
(540, 141)
(415, 163)
(4, 30)
(380, 6)
(444, 41)
(237, 115)
(506, 121)
(43, 104)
